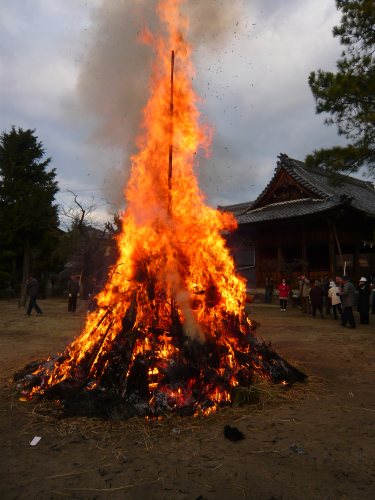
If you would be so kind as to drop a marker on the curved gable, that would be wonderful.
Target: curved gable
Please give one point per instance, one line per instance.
(284, 187)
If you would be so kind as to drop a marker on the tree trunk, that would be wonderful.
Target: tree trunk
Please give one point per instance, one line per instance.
(25, 272)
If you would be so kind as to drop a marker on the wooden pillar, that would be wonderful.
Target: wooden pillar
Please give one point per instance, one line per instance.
(304, 249)
(356, 252)
(256, 263)
(279, 262)
(255, 234)
(332, 256)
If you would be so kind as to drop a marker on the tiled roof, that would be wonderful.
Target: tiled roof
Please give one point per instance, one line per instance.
(236, 209)
(362, 193)
(285, 210)
(325, 195)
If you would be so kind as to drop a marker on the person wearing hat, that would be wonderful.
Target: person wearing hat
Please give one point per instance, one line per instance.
(348, 300)
(364, 301)
(335, 299)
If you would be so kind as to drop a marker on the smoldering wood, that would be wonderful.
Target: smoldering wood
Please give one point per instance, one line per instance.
(115, 380)
(96, 350)
(126, 387)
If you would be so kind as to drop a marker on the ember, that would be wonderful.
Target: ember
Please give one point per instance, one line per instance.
(170, 333)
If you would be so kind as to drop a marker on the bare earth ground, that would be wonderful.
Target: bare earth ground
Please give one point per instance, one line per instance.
(315, 440)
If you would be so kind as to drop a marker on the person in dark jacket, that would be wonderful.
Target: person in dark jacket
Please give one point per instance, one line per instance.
(326, 302)
(305, 296)
(93, 289)
(269, 285)
(348, 300)
(364, 301)
(32, 289)
(316, 297)
(73, 293)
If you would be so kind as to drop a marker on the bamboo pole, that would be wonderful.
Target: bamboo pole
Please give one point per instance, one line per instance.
(170, 163)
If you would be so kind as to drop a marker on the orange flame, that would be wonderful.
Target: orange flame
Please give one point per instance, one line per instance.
(173, 262)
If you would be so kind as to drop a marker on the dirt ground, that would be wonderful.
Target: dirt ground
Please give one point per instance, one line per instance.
(315, 440)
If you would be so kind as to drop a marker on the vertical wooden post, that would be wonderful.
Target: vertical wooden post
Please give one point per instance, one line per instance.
(170, 163)
(338, 245)
(332, 256)
(304, 247)
(356, 267)
(279, 262)
(304, 251)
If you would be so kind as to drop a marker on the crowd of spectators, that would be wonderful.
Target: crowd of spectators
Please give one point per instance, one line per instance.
(336, 297)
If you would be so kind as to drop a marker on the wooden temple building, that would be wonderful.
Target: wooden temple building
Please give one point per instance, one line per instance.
(305, 222)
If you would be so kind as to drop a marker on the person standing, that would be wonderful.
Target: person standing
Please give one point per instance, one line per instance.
(284, 290)
(32, 289)
(348, 300)
(301, 284)
(364, 301)
(316, 297)
(326, 302)
(73, 293)
(305, 297)
(373, 298)
(268, 291)
(339, 283)
(93, 290)
(335, 299)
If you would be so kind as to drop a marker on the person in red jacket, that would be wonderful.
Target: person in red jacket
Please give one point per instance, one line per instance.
(284, 290)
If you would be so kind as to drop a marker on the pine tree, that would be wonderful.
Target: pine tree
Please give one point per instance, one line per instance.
(348, 95)
(28, 216)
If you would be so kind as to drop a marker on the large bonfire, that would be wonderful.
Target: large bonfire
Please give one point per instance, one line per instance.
(170, 332)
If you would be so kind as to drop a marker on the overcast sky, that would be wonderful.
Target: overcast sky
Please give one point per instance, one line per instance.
(72, 70)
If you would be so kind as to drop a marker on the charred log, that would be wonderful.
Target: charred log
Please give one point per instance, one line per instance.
(128, 320)
(147, 384)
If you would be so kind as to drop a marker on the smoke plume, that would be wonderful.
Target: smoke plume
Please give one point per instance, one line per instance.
(113, 81)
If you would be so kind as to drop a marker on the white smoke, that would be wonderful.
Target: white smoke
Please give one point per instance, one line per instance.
(114, 77)
(190, 326)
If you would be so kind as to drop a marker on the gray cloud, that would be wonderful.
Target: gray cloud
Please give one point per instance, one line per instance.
(259, 99)
(74, 70)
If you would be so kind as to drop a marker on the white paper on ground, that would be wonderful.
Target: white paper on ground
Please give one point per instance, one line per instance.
(35, 440)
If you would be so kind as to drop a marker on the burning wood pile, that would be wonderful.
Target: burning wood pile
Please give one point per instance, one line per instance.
(170, 332)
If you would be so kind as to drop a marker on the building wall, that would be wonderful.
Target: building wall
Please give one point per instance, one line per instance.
(310, 245)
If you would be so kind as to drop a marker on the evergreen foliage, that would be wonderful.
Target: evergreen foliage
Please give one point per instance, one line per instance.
(28, 216)
(348, 95)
